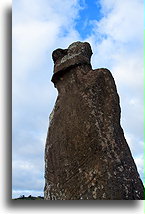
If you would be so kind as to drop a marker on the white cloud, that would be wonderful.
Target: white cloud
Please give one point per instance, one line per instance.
(23, 165)
(136, 145)
(118, 36)
(26, 193)
(39, 29)
(123, 20)
(140, 165)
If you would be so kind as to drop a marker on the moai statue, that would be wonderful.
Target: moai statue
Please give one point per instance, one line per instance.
(86, 154)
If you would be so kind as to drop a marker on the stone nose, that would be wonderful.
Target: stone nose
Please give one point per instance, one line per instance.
(58, 54)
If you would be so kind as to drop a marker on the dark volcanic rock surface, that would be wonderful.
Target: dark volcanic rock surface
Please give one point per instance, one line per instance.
(86, 154)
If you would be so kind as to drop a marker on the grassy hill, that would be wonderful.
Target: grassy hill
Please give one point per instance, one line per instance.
(29, 198)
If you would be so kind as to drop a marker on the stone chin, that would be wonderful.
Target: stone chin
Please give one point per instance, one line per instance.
(78, 53)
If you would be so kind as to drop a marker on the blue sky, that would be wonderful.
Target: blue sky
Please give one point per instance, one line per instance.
(89, 12)
(114, 29)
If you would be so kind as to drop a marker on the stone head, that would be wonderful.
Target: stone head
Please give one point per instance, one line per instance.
(78, 53)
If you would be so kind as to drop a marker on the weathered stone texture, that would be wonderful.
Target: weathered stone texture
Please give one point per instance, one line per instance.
(86, 154)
